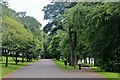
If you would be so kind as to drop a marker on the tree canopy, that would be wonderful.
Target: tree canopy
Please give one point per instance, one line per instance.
(90, 30)
(21, 34)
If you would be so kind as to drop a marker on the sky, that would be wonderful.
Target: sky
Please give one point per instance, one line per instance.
(32, 8)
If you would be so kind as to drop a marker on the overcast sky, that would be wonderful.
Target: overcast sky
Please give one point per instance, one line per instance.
(32, 7)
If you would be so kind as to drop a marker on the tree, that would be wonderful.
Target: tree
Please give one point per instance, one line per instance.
(54, 12)
(94, 23)
(94, 27)
(17, 39)
(54, 47)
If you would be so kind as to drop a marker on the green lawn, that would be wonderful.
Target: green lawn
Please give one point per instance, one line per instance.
(12, 66)
(105, 74)
(60, 64)
(102, 72)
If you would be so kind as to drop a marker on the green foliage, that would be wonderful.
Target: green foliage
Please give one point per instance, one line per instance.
(9, 12)
(97, 30)
(21, 34)
(46, 42)
(54, 47)
(54, 12)
(64, 44)
(98, 33)
(32, 25)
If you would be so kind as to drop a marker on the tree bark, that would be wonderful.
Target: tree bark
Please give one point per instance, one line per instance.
(22, 57)
(16, 57)
(89, 60)
(27, 57)
(6, 58)
(71, 48)
(74, 51)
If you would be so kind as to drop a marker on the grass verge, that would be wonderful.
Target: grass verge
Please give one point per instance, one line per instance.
(105, 74)
(12, 66)
(109, 75)
(60, 64)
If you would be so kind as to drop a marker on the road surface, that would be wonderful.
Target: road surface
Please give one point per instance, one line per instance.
(46, 68)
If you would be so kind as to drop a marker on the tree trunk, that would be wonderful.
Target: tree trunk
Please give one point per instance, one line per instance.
(84, 60)
(27, 58)
(78, 57)
(95, 62)
(22, 57)
(74, 51)
(89, 60)
(71, 48)
(6, 58)
(16, 57)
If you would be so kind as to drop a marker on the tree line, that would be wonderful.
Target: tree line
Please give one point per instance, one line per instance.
(21, 35)
(80, 30)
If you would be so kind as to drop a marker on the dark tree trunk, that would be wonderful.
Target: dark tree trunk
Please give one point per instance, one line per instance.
(16, 56)
(22, 57)
(27, 58)
(85, 58)
(118, 45)
(89, 60)
(78, 57)
(71, 48)
(95, 62)
(6, 58)
(74, 50)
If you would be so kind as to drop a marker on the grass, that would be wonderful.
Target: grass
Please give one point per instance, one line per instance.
(11, 66)
(105, 74)
(60, 64)
(109, 75)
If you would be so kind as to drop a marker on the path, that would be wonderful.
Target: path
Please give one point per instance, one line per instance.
(46, 68)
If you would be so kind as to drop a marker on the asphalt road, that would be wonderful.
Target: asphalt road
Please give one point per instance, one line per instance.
(46, 68)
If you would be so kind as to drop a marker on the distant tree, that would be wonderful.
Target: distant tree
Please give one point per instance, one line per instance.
(54, 47)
